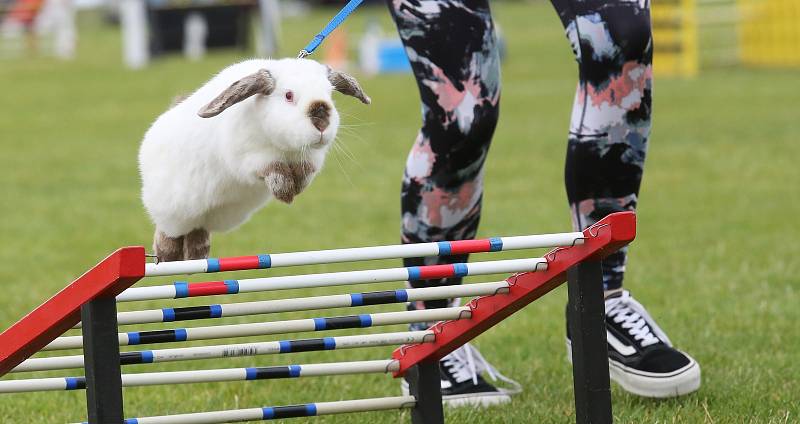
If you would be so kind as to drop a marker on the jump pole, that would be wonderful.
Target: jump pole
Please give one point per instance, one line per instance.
(236, 350)
(277, 412)
(207, 376)
(183, 289)
(317, 257)
(309, 303)
(272, 327)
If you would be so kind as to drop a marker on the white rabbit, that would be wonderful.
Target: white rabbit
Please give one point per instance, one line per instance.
(276, 123)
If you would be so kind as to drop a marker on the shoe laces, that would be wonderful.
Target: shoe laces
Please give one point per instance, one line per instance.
(467, 363)
(632, 316)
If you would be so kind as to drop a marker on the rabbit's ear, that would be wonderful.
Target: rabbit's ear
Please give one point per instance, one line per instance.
(260, 82)
(348, 85)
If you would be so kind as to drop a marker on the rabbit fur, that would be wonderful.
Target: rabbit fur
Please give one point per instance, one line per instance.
(259, 129)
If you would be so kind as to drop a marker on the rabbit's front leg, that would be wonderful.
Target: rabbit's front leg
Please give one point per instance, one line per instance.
(167, 248)
(288, 179)
(197, 244)
(302, 172)
(280, 181)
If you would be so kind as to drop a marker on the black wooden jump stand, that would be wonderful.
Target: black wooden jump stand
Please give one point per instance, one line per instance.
(101, 361)
(587, 328)
(424, 383)
(586, 311)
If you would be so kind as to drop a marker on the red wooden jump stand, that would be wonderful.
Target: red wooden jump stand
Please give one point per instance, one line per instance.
(580, 264)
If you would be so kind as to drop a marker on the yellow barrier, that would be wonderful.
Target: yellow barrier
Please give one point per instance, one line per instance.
(769, 32)
(675, 38)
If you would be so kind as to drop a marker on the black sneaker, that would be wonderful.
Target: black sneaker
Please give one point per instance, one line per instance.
(463, 384)
(640, 356)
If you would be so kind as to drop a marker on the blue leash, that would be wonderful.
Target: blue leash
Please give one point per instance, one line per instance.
(335, 22)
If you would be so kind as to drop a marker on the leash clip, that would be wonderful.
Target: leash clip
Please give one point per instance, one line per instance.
(303, 54)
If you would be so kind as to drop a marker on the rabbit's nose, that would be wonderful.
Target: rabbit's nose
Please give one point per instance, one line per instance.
(320, 113)
(320, 123)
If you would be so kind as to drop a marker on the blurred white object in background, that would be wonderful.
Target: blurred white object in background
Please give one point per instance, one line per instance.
(12, 35)
(34, 26)
(57, 19)
(133, 19)
(270, 14)
(195, 30)
(153, 28)
(368, 48)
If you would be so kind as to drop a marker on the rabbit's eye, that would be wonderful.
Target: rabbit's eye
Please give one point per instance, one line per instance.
(289, 96)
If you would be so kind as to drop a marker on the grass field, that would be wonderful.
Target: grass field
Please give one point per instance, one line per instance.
(715, 260)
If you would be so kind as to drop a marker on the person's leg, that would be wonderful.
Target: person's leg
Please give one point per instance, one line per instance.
(609, 130)
(453, 53)
(610, 123)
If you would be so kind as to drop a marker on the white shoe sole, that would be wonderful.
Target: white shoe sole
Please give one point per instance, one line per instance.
(677, 383)
(468, 399)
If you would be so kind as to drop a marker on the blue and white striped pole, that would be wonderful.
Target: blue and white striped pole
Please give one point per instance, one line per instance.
(236, 350)
(309, 303)
(207, 376)
(274, 327)
(279, 412)
(183, 289)
(316, 257)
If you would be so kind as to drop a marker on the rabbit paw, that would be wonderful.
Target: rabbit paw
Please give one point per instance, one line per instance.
(303, 173)
(281, 186)
(281, 182)
(287, 180)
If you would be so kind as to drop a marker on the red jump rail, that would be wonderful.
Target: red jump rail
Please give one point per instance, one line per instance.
(601, 239)
(61, 312)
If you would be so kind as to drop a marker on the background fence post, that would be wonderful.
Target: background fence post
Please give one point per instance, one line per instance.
(101, 361)
(424, 383)
(586, 320)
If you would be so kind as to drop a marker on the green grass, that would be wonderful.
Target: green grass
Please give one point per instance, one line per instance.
(715, 259)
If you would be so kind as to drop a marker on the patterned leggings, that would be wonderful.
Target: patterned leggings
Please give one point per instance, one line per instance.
(453, 52)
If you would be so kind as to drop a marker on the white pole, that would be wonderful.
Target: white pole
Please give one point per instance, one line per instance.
(182, 289)
(314, 302)
(195, 34)
(236, 350)
(257, 414)
(208, 376)
(275, 327)
(33, 385)
(65, 33)
(379, 404)
(269, 13)
(133, 17)
(443, 248)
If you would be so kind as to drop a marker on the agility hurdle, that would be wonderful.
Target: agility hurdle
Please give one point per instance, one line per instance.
(90, 303)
